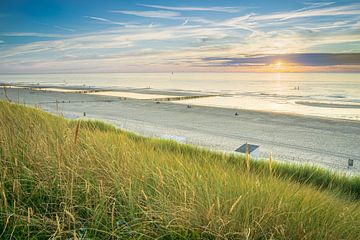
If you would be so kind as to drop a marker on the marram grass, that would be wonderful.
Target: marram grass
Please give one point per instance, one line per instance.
(62, 179)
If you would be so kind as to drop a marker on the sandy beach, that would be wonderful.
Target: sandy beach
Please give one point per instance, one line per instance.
(292, 138)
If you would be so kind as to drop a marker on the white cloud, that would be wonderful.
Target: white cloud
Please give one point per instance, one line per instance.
(324, 26)
(150, 14)
(331, 11)
(208, 9)
(105, 20)
(312, 5)
(31, 34)
(318, 12)
(64, 28)
(165, 15)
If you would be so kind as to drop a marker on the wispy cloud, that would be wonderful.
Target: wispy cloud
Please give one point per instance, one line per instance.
(312, 5)
(64, 28)
(207, 9)
(60, 27)
(150, 14)
(306, 13)
(32, 34)
(105, 20)
(167, 15)
(319, 13)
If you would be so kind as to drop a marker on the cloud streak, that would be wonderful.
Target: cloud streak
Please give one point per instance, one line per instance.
(105, 20)
(331, 11)
(64, 28)
(32, 34)
(205, 9)
(150, 14)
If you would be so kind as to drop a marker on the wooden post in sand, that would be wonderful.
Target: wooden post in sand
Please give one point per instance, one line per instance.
(247, 157)
(5, 93)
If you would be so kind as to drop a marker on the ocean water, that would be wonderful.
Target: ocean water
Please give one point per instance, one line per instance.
(332, 95)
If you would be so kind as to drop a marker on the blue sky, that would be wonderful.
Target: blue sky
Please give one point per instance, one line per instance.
(152, 36)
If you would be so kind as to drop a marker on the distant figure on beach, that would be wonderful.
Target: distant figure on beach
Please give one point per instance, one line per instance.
(84, 114)
(236, 114)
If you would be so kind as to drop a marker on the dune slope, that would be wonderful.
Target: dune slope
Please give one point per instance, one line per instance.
(72, 179)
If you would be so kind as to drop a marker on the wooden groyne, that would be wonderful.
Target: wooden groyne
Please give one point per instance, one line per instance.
(179, 98)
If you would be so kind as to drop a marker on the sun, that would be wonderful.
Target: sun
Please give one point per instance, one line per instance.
(278, 65)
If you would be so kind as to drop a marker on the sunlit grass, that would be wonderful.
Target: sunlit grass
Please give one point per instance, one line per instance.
(64, 179)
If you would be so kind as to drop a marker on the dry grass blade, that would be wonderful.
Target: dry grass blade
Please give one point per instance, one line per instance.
(234, 204)
(77, 132)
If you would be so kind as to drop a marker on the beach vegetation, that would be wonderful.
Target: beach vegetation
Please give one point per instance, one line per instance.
(80, 179)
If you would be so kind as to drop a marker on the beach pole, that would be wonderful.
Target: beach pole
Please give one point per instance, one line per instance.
(247, 157)
(5, 92)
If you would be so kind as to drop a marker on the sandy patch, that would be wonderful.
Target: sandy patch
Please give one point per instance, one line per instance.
(58, 90)
(141, 96)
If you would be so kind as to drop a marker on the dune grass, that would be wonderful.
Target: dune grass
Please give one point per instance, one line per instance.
(67, 179)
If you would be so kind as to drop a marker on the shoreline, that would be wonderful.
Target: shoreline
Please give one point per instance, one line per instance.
(328, 105)
(166, 96)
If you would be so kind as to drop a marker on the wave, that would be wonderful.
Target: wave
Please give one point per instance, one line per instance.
(328, 105)
(336, 96)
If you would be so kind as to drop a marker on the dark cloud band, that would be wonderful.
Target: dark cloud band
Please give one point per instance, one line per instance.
(305, 59)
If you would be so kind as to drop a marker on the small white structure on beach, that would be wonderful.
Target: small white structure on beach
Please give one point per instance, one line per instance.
(253, 150)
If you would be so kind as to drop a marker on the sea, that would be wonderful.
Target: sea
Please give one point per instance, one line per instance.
(329, 95)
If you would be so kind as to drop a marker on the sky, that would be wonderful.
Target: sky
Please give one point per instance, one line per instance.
(85, 36)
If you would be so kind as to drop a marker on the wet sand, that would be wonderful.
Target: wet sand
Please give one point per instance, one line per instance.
(291, 138)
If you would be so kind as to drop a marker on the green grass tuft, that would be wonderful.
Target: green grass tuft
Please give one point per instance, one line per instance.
(64, 179)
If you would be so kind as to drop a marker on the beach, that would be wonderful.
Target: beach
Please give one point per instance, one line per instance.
(291, 138)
